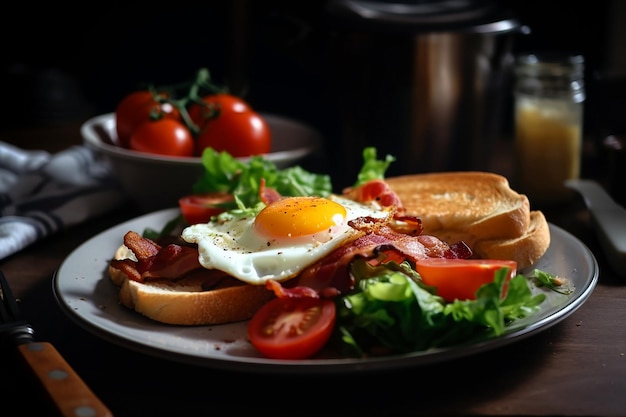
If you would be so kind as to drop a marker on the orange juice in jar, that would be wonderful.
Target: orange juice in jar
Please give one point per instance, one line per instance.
(548, 148)
(548, 125)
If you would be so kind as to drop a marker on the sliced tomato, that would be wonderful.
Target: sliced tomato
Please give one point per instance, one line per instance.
(292, 328)
(374, 190)
(461, 278)
(199, 208)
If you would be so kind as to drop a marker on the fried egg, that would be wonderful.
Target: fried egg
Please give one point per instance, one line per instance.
(281, 240)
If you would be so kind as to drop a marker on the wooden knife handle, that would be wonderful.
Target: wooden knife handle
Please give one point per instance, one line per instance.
(67, 390)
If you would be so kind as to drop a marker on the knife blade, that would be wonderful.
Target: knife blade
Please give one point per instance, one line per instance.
(609, 219)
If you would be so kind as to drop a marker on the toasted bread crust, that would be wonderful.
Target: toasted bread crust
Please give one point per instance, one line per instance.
(525, 249)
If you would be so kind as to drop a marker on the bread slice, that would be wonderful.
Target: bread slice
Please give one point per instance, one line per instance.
(185, 301)
(479, 208)
(478, 203)
(525, 249)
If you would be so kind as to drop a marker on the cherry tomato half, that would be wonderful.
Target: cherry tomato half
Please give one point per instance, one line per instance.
(229, 124)
(136, 108)
(199, 208)
(292, 328)
(164, 136)
(461, 278)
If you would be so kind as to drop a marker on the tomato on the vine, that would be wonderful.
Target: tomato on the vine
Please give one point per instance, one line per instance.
(461, 278)
(199, 208)
(227, 123)
(212, 104)
(134, 109)
(164, 136)
(292, 328)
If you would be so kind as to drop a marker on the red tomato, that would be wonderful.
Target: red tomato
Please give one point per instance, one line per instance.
(374, 190)
(230, 125)
(292, 328)
(136, 108)
(461, 278)
(163, 137)
(216, 103)
(199, 208)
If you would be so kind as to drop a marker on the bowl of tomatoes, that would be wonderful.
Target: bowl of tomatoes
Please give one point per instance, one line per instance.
(154, 180)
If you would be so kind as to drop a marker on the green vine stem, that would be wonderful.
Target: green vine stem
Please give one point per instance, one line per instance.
(182, 95)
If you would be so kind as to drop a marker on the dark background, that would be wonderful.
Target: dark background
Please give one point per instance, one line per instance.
(63, 64)
(278, 46)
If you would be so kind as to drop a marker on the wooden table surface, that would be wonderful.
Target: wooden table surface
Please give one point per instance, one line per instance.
(574, 368)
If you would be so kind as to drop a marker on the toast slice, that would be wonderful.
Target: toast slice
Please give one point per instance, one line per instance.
(184, 302)
(478, 203)
(187, 301)
(479, 208)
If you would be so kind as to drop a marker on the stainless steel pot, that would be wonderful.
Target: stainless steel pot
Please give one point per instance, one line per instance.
(427, 81)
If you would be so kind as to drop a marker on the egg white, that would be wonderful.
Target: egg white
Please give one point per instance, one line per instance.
(235, 247)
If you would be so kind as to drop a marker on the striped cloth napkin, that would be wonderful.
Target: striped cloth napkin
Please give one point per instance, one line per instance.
(42, 193)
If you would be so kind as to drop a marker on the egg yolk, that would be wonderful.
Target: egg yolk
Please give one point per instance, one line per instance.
(299, 216)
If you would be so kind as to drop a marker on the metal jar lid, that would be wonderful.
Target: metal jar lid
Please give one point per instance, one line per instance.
(475, 16)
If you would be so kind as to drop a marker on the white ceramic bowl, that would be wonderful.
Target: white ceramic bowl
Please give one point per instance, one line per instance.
(153, 182)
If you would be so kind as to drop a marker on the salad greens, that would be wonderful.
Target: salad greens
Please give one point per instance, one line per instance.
(392, 311)
(223, 172)
(546, 279)
(373, 168)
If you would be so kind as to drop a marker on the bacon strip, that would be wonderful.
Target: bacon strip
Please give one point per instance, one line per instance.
(266, 194)
(153, 261)
(327, 277)
(173, 261)
(332, 271)
(142, 247)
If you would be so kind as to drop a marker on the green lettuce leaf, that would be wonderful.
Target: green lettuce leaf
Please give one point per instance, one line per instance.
(392, 311)
(373, 168)
(223, 172)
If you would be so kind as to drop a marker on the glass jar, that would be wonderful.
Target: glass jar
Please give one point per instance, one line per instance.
(549, 96)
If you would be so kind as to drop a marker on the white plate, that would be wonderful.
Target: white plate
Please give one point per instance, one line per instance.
(84, 291)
